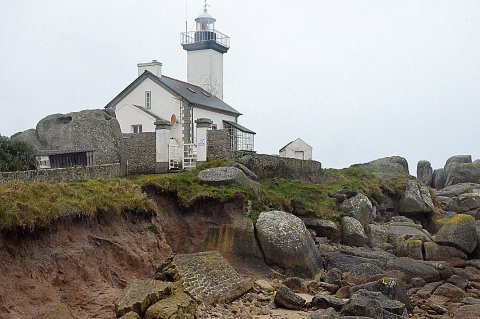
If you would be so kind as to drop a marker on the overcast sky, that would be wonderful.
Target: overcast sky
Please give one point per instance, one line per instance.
(356, 79)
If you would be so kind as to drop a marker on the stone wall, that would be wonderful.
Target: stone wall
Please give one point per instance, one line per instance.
(80, 173)
(265, 166)
(140, 153)
(271, 166)
(218, 145)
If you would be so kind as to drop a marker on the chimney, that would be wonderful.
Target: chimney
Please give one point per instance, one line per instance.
(155, 67)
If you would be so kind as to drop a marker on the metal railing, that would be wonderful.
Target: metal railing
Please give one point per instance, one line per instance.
(203, 36)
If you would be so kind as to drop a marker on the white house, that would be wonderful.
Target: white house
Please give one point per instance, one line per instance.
(154, 97)
(297, 149)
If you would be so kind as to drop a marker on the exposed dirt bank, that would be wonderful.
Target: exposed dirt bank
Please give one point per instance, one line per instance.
(78, 264)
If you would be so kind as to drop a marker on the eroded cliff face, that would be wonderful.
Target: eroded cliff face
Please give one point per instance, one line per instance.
(80, 266)
(77, 265)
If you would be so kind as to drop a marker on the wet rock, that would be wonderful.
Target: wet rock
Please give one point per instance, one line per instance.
(372, 304)
(458, 232)
(323, 228)
(425, 172)
(416, 200)
(179, 305)
(140, 294)
(377, 235)
(324, 302)
(360, 208)
(287, 244)
(414, 268)
(353, 233)
(287, 299)
(450, 291)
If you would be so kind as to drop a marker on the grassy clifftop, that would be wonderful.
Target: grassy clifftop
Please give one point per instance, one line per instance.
(28, 206)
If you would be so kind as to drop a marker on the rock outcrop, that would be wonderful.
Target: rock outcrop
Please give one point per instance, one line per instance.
(459, 232)
(425, 172)
(416, 200)
(353, 233)
(287, 244)
(388, 165)
(360, 208)
(223, 176)
(89, 130)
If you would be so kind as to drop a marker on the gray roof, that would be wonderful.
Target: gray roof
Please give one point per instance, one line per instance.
(240, 127)
(199, 97)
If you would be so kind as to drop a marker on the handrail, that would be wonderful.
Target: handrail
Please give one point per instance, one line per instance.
(191, 37)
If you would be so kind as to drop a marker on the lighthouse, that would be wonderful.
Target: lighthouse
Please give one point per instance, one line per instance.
(205, 48)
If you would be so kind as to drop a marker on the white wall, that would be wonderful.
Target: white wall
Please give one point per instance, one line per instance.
(297, 145)
(163, 104)
(217, 118)
(128, 115)
(205, 69)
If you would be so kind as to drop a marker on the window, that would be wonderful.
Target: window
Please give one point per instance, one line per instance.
(214, 126)
(137, 128)
(207, 95)
(191, 90)
(148, 100)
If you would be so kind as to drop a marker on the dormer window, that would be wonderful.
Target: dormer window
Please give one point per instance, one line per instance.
(148, 99)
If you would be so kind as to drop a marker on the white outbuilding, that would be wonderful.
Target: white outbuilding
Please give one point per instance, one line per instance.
(297, 149)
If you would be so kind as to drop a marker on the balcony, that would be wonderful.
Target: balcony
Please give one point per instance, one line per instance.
(211, 39)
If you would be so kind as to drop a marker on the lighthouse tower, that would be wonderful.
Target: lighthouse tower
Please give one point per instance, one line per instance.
(205, 48)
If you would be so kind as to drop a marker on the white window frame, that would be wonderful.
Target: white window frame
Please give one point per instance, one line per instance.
(148, 99)
(137, 128)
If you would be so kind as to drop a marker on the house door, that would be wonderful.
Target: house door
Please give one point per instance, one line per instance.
(299, 155)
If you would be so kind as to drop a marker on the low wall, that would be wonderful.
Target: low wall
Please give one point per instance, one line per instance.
(265, 166)
(70, 174)
(271, 166)
(140, 152)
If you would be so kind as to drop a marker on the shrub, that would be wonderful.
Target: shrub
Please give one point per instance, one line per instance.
(15, 155)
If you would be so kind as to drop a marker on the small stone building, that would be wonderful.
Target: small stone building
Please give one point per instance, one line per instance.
(297, 149)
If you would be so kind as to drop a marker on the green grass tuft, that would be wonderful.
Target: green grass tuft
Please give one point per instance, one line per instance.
(31, 205)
